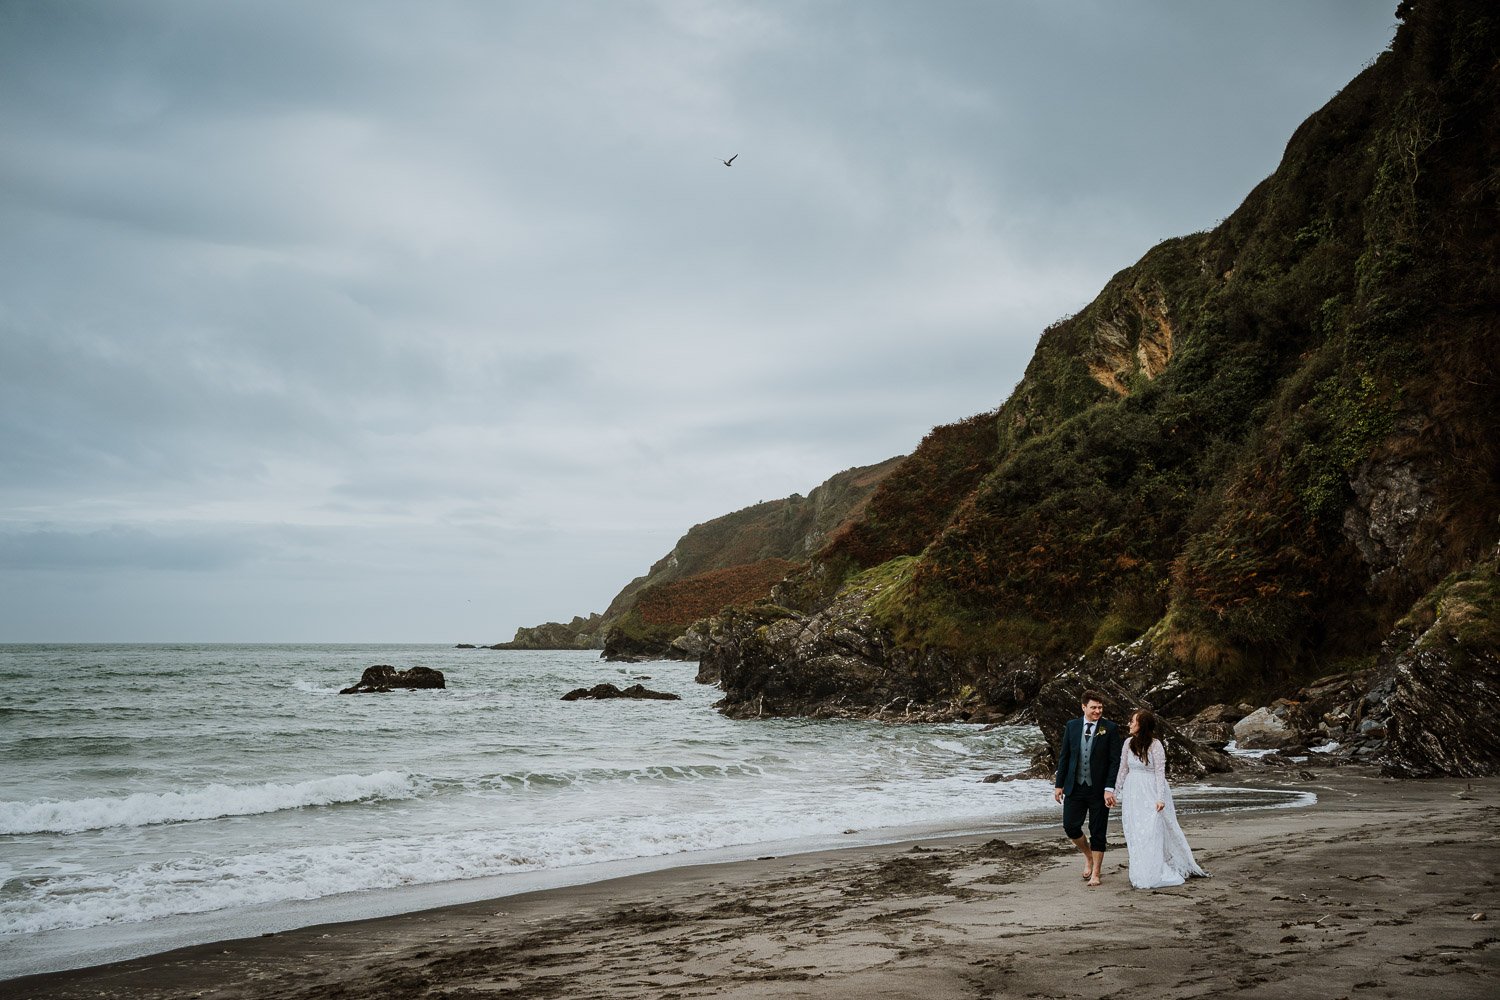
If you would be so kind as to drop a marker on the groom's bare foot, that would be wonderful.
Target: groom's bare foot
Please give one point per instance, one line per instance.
(1088, 873)
(1095, 880)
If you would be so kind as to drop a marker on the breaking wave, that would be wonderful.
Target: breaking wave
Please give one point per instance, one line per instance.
(209, 802)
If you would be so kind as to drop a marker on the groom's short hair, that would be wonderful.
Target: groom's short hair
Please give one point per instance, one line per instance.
(1089, 696)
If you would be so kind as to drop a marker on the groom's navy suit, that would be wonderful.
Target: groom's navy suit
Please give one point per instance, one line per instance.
(1083, 789)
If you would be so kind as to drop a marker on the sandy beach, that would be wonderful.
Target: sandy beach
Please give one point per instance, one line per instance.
(1382, 889)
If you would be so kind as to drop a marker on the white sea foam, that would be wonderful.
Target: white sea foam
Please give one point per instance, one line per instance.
(210, 802)
(1232, 748)
(592, 777)
(203, 883)
(308, 687)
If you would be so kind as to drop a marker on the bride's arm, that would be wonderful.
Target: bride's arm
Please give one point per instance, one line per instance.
(1158, 755)
(1124, 769)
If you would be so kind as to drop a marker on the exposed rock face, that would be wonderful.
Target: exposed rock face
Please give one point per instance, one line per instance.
(1214, 726)
(384, 678)
(1440, 721)
(599, 691)
(580, 633)
(1331, 704)
(1214, 735)
(772, 661)
(1155, 681)
(1392, 498)
(620, 647)
(1280, 726)
(1220, 714)
(1135, 337)
(1439, 702)
(692, 644)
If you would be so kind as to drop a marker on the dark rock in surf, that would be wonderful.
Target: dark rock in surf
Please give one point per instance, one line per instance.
(384, 678)
(599, 691)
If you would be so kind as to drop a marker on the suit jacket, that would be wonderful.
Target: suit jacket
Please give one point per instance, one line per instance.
(1104, 759)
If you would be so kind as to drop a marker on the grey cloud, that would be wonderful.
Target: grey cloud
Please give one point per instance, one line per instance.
(119, 548)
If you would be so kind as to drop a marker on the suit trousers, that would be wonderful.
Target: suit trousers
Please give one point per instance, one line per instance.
(1086, 802)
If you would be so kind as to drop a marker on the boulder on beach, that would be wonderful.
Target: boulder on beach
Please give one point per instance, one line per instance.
(610, 691)
(383, 678)
(1281, 725)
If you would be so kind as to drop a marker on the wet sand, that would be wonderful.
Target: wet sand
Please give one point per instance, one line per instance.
(1381, 889)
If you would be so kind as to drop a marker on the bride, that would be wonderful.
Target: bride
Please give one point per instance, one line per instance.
(1159, 853)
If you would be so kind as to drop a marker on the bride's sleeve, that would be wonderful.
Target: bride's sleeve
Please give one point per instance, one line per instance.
(1159, 769)
(1124, 770)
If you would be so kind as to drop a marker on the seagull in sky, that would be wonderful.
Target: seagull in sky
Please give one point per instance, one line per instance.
(730, 162)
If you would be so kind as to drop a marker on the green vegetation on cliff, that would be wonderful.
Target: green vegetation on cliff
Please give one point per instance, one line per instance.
(1258, 445)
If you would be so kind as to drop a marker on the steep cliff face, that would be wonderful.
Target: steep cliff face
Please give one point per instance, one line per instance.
(731, 560)
(1249, 455)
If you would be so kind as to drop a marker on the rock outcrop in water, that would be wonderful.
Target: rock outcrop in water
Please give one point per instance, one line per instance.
(384, 678)
(600, 691)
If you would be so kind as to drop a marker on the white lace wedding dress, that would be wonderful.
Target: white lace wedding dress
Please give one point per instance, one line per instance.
(1159, 853)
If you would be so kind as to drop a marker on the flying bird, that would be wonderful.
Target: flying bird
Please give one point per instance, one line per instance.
(730, 162)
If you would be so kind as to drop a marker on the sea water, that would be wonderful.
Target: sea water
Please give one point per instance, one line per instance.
(146, 784)
(159, 795)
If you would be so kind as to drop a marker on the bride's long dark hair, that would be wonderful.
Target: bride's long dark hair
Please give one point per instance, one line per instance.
(1145, 732)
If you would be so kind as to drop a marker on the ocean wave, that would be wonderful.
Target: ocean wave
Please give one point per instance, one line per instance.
(210, 802)
(649, 827)
(308, 687)
(527, 780)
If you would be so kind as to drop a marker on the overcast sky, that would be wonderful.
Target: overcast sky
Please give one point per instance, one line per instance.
(419, 321)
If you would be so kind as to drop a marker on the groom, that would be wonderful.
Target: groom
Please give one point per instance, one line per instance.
(1086, 765)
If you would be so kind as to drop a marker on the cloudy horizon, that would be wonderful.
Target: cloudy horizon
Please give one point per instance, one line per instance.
(390, 322)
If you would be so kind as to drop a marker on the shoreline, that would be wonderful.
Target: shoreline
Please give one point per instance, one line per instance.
(1393, 869)
(66, 949)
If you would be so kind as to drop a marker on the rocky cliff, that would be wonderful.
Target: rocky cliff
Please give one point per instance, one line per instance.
(728, 561)
(1251, 457)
